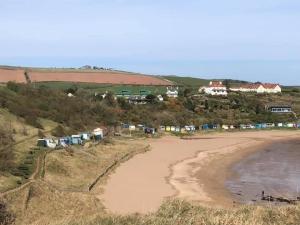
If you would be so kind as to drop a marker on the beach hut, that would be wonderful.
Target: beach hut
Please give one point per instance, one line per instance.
(64, 141)
(131, 127)
(149, 130)
(290, 125)
(264, 125)
(168, 128)
(125, 126)
(85, 136)
(205, 127)
(225, 127)
(173, 128)
(76, 139)
(242, 126)
(97, 134)
(46, 143)
(177, 129)
(189, 128)
(258, 126)
(270, 125)
(140, 127)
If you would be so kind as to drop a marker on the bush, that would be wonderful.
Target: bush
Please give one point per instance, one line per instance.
(33, 121)
(13, 86)
(59, 131)
(41, 134)
(7, 157)
(6, 218)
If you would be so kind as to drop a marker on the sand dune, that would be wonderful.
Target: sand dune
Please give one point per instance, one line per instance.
(190, 169)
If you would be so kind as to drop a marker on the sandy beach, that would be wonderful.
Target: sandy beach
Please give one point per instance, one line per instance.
(194, 170)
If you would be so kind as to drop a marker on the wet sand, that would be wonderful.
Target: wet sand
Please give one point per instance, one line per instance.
(195, 170)
(275, 169)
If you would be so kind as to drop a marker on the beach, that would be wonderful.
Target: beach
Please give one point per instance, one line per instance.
(195, 170)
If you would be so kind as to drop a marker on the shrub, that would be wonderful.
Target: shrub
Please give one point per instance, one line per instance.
(41, 134)
(59, 131)
(6, 218)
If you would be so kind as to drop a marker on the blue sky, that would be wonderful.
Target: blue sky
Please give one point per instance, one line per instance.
(255, 40)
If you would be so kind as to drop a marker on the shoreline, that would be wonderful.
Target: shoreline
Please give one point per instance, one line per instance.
(194, 170)
(202, 182)
(211, 173)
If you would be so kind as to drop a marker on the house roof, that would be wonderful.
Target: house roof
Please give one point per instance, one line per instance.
(270, 86)
(257, 85)
(216, 84)
(280, 105)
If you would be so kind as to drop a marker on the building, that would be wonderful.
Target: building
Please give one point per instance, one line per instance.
(97, 134)
(279, 108)
(258, 88)
(124, 93)
(172, 92)
(214, 88)
(47, 143)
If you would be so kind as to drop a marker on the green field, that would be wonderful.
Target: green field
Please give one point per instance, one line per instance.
(101, 88)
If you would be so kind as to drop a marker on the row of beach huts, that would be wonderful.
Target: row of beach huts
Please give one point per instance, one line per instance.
(76, 139)
(98, 134)
(192, 128)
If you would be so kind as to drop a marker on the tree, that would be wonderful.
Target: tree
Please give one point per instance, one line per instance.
(206, 105)
(226, 82)
(187, 92)
(110, 99)
(72, 90)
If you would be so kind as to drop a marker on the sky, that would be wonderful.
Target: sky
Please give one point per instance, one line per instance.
(257, 40)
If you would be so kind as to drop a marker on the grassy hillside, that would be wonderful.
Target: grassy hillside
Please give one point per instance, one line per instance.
(18, 155)
(187, 81)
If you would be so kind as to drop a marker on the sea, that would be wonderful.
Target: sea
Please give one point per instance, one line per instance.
(273, 171)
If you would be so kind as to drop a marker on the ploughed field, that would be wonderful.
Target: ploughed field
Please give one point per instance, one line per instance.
(16, 75)
(80, 76)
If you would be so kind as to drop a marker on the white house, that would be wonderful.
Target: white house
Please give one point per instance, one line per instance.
(172, 92)
(258, 88)
(272, 88)
(214, 88)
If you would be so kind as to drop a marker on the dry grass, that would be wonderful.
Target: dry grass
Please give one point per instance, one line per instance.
(178, 212)
(78, 171)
